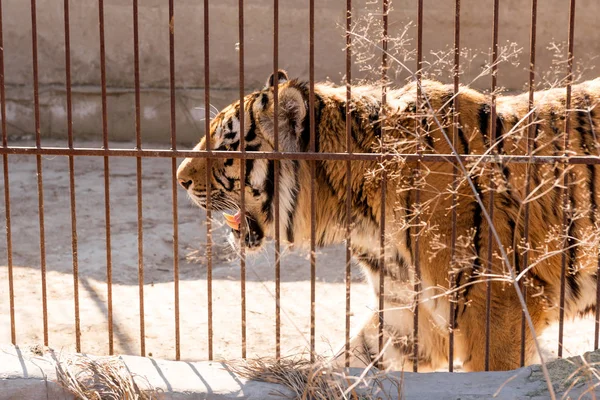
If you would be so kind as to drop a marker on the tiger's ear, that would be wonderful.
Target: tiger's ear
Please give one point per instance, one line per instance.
(282, 77)
(291, 112)
(292, 107)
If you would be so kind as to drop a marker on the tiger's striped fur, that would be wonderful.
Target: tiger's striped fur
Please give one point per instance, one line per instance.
(392, 127)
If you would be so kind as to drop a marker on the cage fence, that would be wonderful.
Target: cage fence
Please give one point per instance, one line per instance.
(141, 159)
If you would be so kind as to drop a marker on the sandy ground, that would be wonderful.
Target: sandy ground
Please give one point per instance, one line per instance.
(158, 288)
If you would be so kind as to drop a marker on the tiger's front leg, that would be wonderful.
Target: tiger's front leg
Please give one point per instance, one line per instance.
(397, 345)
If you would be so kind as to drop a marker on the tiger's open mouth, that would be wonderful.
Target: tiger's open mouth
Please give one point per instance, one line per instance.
(254, 233)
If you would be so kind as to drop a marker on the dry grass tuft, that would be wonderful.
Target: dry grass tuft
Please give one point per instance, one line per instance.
(319, 380)
(103, 378)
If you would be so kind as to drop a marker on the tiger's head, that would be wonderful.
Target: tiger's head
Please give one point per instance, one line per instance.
(258, 183)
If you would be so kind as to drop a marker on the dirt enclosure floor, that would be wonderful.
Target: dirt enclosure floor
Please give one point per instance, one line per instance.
(159, 287)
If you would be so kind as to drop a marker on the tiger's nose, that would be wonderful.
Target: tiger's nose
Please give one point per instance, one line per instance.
(185, 183)
(185, 174)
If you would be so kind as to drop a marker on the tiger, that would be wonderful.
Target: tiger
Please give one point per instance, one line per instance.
(456, 270)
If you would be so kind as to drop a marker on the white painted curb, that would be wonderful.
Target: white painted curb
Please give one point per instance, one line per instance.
(25, 375)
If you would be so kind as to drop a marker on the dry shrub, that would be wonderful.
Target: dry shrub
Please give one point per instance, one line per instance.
(102, 378)
(367, 34)
(319, 380)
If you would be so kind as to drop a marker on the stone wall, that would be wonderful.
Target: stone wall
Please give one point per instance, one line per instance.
(476, 32)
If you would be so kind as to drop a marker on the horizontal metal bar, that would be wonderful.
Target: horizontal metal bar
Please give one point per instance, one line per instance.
(254, 155)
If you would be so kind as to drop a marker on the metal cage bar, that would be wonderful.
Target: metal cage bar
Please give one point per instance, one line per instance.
(455, 127)
(348, 277)
(417, 174)
(309, 155)
(138, 145)
(381, 267)
(40, 180)
(530, 139)
(72, 177)
(276, 167)
(209, 266)
(106, 160)
(492, 188)
(567, 206)
(9, 252)
(242, 174)
(313, 176)
(174, 188)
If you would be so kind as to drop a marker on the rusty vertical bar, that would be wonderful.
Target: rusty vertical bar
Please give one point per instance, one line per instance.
(417, 260)
(242, 174)
(455, 127)
(276, 180)
(381, 299)
(106, 179)
(11, 290)
(40, 181)
(174, 174)
(530, 139)
(348, 177)
(313, 173)
(384, 83)
(138, 146)
(566, 181)
(490, 246)
(597, 313)
(208, 180)
(72, 177)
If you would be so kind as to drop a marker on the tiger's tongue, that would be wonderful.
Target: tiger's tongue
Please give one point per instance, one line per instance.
(233, 220)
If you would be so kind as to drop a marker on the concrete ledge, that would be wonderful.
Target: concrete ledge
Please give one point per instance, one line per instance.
(23, 375)
(26, 373)
(29, 373)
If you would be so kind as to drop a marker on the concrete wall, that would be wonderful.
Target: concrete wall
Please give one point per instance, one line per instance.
(189, 55)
